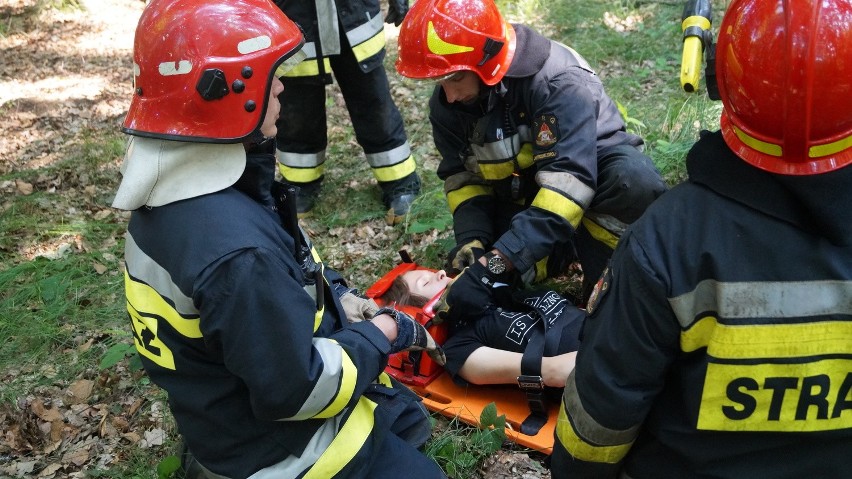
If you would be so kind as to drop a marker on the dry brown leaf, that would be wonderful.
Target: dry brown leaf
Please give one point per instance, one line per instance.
(79, 391)
(78, 456)
(50, 470)
(44, 413)
(135, 406)
(132, 436)
(99, 268)
(23, 187)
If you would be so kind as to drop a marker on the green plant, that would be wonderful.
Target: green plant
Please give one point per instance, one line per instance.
(460, 448)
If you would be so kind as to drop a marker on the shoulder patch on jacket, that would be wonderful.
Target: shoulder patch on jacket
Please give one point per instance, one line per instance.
(601, 288)
(547, 131)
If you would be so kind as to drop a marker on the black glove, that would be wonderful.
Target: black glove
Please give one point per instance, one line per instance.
(412, 336)
(464, 255)
(467, 297)
(396, 11)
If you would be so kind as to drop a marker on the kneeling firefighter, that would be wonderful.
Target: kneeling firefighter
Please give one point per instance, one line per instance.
(232, 311)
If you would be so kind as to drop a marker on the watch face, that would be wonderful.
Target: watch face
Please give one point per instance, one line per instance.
(496, 265)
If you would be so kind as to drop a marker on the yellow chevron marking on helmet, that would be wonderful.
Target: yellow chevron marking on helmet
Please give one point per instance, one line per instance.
(439, 47)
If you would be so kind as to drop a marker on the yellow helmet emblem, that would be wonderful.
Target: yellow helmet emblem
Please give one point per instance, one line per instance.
(439, 47)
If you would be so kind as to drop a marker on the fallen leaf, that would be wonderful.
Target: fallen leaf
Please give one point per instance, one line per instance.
(50, 470)
(153, 437)
(99, 268)
(44, 413)
(23, 187)
(79, 391)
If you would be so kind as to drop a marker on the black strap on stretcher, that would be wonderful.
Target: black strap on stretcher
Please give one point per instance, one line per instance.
(541, 343)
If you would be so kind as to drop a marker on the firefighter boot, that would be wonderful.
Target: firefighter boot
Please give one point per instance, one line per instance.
(307, 196)
(398, 196)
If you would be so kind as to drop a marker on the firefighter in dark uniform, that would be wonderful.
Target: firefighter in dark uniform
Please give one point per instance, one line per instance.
(232, 312)
(538, 168)
(346, 38)
(719, 342)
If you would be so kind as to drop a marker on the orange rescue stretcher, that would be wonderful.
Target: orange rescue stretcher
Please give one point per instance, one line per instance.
(442, 395)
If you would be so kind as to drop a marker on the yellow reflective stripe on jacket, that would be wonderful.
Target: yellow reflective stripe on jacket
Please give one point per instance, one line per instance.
(773, 375)
(370, 47)
(141, 294)
(308, 68)
(395, 172)
(525, 157)
(600, 233)
(557, 204)
(781, 397)
(497, 171)
(459, 196)
(498, 160)
(755, 341)
(349, 440)
(585, 438)
(145, 324)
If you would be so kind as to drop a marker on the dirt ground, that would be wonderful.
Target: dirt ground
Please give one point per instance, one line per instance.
(65, 75)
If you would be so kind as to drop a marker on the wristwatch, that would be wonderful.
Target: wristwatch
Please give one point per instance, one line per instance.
(494, 263)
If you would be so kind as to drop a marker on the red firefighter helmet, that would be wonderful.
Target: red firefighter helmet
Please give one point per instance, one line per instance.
(439, 37)
(784, 70)
(203, 68)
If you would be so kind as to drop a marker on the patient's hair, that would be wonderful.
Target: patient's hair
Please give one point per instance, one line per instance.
(398, 293)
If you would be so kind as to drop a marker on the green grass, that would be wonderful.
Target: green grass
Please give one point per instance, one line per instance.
(62, 313)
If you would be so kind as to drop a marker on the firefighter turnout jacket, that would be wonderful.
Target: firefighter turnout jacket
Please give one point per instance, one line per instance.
(719, 344)
(261, 373)
(524, 160)
(321, 22)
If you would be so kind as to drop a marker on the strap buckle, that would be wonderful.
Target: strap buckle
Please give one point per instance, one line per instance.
(530, 383)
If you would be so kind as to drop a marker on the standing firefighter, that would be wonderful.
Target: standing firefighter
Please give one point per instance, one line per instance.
(719, 342)
(346, 38)
(537, 166)
(232, 312)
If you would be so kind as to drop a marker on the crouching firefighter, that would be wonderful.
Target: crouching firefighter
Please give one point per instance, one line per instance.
(233, 313)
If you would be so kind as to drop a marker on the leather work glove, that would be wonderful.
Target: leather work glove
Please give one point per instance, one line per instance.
(467, 297)
(357, 307)
(412, 336)
(464, 255)
(396, 11)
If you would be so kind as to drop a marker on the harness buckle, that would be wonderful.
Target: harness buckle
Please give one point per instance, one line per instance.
(530, 383)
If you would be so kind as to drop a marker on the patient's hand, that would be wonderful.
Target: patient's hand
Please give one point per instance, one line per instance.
(555, 369)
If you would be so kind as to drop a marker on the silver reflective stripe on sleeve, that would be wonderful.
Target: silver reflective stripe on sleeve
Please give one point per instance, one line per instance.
(329, 387)
(293, 466)
(366, 31)
(568, 185)
(505, 149)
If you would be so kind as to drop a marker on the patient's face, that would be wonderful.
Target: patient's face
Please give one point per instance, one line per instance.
(426, 283)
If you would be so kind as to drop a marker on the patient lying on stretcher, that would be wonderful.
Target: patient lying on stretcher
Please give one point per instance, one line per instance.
(489, 349)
